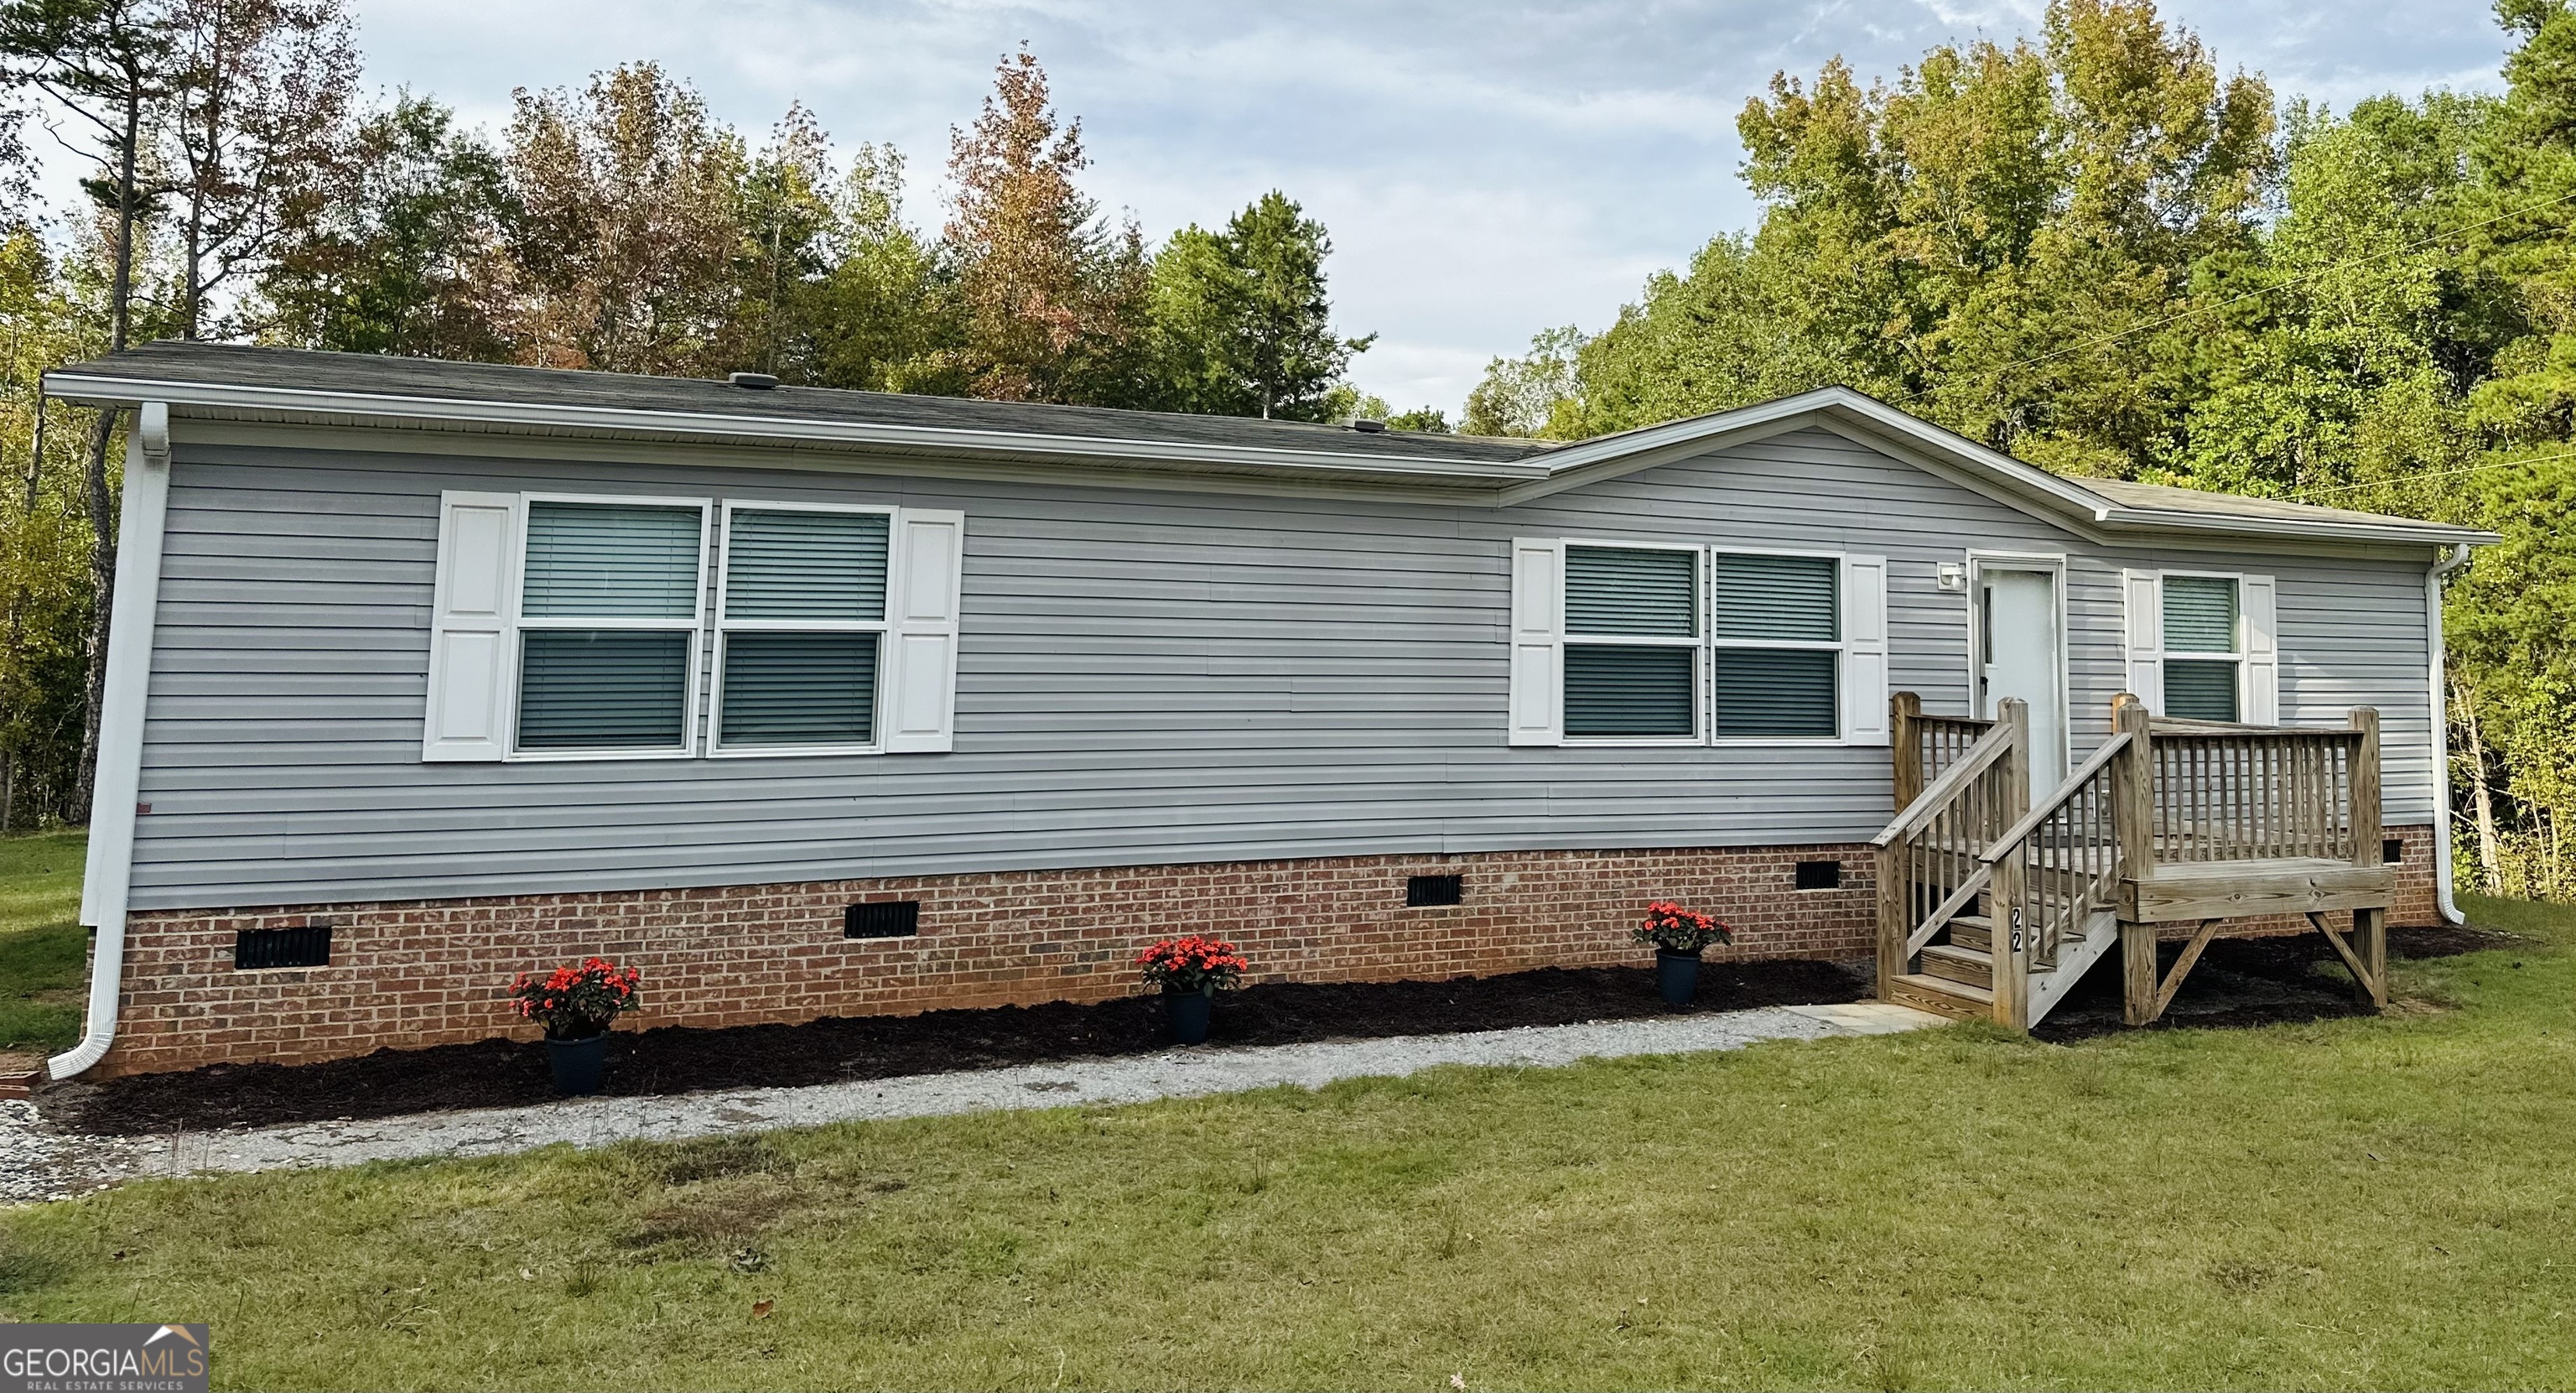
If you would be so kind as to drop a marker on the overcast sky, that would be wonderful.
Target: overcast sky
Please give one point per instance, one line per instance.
(1487, 169)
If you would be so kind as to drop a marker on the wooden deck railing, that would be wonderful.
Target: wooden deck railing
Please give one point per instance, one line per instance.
(2166, 816)
(2052, 872)
(2248, 793)
(1927, 745)
(1928, 867)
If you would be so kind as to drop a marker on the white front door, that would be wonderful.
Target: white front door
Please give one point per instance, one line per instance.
(2022, 659)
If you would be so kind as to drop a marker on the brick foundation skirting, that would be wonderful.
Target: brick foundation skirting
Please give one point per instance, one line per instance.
(431, 972)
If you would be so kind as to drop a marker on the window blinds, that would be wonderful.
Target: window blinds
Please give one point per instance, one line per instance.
(803, 627)
(611, 561)
(1776, 692)
(1774, 598)
(603, 689)
(1646, 686)
(608, 609)
(2200, 614)
(805, 565)
(1613, 690)
(1618, 591)
(799, 688)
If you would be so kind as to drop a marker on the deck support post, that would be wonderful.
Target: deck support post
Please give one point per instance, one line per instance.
(2370, 930)
(2137, 972)
(2010, 951)
(2369, 926)
(1895, 919)
(1905, 743)
(2133, 825)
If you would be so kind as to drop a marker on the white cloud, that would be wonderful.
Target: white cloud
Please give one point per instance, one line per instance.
(1486, 170)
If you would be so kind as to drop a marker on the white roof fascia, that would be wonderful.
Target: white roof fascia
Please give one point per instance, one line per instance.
(1495, 482)
(1178, 455)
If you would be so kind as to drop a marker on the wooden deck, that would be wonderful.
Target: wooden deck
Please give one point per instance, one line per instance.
(1991, 908)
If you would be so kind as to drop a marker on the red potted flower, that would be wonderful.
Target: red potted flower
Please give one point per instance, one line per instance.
(1190, 972)
(1680, 936)
(576, 1005)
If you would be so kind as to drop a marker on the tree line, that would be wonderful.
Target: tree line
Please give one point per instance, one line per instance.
(2098, 248)
(2103, 252)
(240, 188)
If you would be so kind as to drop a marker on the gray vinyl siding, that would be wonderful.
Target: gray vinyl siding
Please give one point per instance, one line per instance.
(1144, 677)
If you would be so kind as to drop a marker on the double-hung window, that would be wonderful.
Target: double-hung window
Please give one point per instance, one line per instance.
(800, 628)
(1689, 644)
(609, 610)
(1632, 642)
(2202, 647)
(1778, 646)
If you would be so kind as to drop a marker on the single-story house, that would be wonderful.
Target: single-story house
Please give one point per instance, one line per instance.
(816, 702)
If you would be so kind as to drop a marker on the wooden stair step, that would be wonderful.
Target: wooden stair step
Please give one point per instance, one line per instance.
(1957, 1000)
(1952, 963)
(1973, 931)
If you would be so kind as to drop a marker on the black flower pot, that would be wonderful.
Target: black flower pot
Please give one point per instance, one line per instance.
(578, 1064)
(1677, 974)
(1188, 1014)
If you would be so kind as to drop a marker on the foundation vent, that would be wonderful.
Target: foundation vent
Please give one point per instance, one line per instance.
(1426, 890)
(1819, 875)
(259, 949)
(882, 919)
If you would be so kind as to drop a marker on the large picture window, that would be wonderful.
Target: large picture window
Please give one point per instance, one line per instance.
(1632, 642)
(801, 626)
(609, 608)
(2204, 647)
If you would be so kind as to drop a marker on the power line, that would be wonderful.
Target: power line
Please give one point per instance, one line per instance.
(2437, 474)
(2179, 315)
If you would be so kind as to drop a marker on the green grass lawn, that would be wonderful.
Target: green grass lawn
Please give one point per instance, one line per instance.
(43, 953)
(2359, 1203)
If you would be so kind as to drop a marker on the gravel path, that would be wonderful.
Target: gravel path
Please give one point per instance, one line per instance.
(39, 1163)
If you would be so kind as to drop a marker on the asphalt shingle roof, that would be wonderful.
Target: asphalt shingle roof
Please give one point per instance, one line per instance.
(299, 369)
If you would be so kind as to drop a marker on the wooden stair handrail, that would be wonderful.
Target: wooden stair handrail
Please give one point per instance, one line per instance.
(1990, 748)
(1968, 890)
(2057, 798)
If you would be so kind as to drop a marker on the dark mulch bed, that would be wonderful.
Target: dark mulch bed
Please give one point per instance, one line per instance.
(2244, 982)
(501, 1073)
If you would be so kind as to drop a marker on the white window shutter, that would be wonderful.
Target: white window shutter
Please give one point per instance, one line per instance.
(2145, 594)
(2262, 694)
(921, 680)
(1538, 641)
(472, 604)
(1864, 650)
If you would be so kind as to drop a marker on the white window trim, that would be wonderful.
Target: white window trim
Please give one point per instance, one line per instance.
(882, 626)
(1840, 647)
(1698, 640)
(519, 622)
(1704, 670)
(2167, 654)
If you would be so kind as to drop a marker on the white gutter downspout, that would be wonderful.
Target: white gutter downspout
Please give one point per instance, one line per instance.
(120, 728)
(2442, 900)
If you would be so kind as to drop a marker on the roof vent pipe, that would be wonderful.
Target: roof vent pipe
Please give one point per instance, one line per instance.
(756, 381)
(1365, 426)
